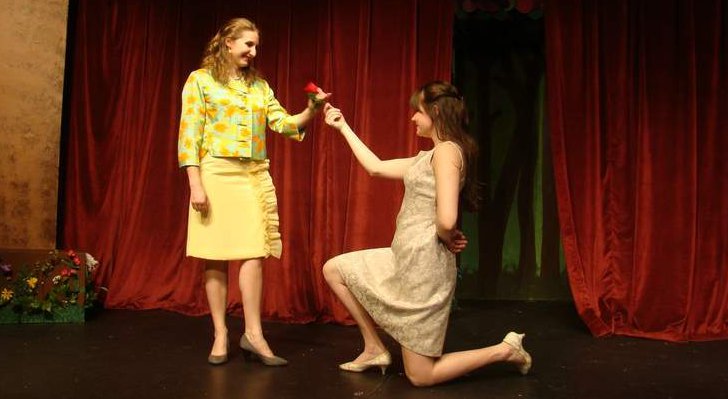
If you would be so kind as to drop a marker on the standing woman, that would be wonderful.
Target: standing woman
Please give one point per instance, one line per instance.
(233, 211)
(407, 288)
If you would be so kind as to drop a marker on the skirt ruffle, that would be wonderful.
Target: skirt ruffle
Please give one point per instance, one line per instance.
(266, 192)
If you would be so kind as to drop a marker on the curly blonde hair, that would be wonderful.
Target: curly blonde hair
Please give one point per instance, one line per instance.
(216, 58)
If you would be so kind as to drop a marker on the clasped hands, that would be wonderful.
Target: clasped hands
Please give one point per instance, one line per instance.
(455, 242)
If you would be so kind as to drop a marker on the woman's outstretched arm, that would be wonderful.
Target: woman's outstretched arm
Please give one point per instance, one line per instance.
(391, 169)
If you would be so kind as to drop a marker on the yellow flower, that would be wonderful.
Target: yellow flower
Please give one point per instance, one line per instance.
(32, 282)
(6, 295)
(258, 144)
(230, 111)
(220, 127)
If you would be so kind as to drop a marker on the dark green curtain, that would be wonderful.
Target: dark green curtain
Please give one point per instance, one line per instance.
(499, 65)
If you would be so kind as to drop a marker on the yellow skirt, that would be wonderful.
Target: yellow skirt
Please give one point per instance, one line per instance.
(242, 219)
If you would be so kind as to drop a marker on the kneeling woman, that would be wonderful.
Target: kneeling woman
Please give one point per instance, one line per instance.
(407, 289)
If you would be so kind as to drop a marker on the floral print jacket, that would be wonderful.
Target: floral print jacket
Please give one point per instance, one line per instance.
(228, 120)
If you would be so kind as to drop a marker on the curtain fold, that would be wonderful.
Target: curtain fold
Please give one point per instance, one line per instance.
(638, 94)
(125, 199)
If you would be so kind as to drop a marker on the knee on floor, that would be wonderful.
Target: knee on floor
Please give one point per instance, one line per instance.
(420, 379)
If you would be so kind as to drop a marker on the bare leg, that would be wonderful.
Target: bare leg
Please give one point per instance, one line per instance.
(425, 371)
(373, 345)
(216, 290)
(251, 288)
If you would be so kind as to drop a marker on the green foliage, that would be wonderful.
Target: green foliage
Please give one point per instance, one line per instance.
(50, 285)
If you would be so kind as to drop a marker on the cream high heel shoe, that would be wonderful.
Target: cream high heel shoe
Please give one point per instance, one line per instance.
(516, 342)
(382, 360)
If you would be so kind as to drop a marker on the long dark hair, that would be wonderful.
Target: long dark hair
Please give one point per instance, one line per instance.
(216, 58)
(445, 106)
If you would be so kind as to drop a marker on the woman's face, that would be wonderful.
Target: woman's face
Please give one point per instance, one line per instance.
(423, 122)
(243, 49)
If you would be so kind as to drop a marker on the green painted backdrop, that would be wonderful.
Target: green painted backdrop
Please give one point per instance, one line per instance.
(514, 250)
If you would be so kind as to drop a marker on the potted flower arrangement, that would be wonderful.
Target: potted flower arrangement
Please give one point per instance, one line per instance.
(59, 288)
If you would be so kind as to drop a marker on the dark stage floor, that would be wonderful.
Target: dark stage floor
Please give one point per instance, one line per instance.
(157, 354)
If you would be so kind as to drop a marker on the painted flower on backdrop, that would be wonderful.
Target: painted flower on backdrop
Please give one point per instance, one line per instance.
(495, 6)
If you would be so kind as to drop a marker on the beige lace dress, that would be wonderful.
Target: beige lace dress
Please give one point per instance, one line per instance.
(408, 288)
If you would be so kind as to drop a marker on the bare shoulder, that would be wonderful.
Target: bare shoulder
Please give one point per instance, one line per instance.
(447, 153)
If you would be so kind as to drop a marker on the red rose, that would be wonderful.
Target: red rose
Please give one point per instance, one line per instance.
(71, 253)
(311, 88)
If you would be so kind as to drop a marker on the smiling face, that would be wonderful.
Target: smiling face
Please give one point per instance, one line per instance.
(423, 122)
(243, 49)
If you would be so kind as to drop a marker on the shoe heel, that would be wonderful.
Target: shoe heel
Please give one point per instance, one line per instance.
(384, 369)
(217, 360)
(515, 340)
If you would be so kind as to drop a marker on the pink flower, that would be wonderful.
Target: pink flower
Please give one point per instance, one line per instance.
(7, 270)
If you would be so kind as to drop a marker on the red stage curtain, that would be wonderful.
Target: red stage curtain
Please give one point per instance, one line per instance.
(125, 199)
(638, 101)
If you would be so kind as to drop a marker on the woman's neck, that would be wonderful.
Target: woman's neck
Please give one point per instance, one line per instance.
(435, 139)
(235, 73)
